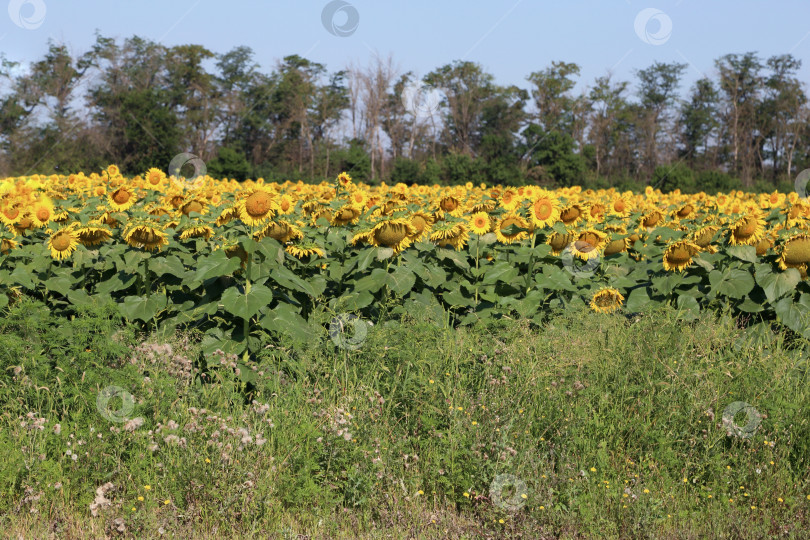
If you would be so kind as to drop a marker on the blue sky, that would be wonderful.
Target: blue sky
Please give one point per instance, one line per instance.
(509, 38)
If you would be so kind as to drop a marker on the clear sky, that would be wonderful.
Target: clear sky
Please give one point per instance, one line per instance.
(510, 38)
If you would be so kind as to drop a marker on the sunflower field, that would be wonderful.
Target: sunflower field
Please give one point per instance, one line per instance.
(252, 261)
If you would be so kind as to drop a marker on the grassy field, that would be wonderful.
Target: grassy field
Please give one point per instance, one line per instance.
(592, 425)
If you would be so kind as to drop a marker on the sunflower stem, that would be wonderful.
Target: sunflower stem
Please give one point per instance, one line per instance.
(147, 278)
(531, 264)
(246, 320)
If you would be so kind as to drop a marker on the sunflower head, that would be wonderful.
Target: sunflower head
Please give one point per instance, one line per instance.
(588, 244)
(63, 242)
(480, 223)
(145, 235)
(305, 250)
(607, 300)
(544, 211)
(508, 229)
(748, 230)
(795, 252)
(257, 207)
(678, 255)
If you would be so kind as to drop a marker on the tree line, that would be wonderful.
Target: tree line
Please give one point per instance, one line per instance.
(138, 103)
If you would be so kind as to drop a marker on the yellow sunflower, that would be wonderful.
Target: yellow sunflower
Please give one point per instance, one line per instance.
(280, 230)
(795, 253)
(480, 223)
(121, 199)
(422, 223)
(450, 234)
(63, 242)
(678, 256)
(145, 235)
(748, 230)
(559, 242)
(6, 245)
(544, 211)
(607, 300)
(703, 238)
(257, 207)
(155, 178)
(93, 235)
(588, 244)
(42, 212)
(197, 231)
(306, 249)
(571, 214)
(506, 222)
(348, 214)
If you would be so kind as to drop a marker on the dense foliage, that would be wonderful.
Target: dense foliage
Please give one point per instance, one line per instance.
(248, 262)
(138, 103)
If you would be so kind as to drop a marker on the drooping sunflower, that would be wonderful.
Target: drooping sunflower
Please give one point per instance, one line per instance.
(6, 245)
(394, 233)
(305, 249)
(607, 300)
(795, 253)
(93, 234)
(280, 230)
(616, 241)
(651, 218)
(589, 244)
(480, 223)
(571, 214)
(507, 221)
(449, 204)
(122, 199)
(684, 212)
(196, 205)
(678, 256)
(748, 230)
(228, 214)
(257, 207)
(63, 242)
(145, 235)
(197, 231)
(559, 242)
(450, 234)
(422, 223)
(544, 210)
(347, 214)
(703, 238)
